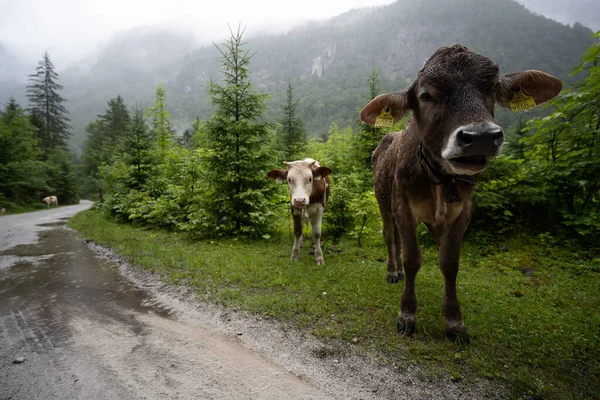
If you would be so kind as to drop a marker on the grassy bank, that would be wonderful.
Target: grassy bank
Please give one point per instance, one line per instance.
(532, 312)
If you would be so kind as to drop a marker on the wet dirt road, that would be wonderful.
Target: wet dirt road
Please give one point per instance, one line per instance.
(73, 327)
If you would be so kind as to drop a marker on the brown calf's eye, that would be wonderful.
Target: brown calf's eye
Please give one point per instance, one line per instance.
(425, 97)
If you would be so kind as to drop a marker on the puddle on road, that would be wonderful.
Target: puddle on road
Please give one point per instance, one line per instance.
(44, 285)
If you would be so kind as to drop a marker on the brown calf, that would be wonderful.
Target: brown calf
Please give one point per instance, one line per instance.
(309, 192)
(427, 173)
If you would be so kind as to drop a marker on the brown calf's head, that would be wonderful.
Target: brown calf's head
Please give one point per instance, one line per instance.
(453, 99)
(300, 176)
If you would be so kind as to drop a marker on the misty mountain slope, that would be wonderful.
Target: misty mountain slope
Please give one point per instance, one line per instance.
(329, 62)
(132, 65)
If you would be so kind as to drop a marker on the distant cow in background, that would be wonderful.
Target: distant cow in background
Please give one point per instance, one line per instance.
(50, 201)
(427, 173)
(309, 192)
(2, 210)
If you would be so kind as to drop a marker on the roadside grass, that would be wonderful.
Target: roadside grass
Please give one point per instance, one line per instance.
(531, 310)
(20, 209)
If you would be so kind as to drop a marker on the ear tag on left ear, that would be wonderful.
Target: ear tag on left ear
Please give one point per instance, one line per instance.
(521, 102)
(384, 119)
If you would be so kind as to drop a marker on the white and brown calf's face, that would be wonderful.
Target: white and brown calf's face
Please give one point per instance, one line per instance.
(300, 177)
(300, 183)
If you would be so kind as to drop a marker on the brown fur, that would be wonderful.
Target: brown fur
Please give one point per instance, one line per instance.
(320, 192)
(456, 89)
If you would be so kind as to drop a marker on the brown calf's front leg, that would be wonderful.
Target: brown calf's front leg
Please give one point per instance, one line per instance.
(298, 225)
(392, 242)
(449, 255)
(411, 260)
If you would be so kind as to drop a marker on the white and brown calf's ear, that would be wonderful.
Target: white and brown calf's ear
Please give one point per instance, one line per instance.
(537, 84)
(397, 103)
(280, 175)
(321, 172)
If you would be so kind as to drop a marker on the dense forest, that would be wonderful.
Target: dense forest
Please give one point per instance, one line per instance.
(34, 160)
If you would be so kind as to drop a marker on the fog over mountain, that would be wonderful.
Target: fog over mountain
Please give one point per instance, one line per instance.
(327, 60)
(585, 12)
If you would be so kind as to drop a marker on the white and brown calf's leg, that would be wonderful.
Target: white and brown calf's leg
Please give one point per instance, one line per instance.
(411, 261)
(316, 217)
(298, 224)
(449, 256)
(392, 242)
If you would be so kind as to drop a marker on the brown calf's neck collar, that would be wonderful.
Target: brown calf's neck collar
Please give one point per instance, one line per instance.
(451, 190)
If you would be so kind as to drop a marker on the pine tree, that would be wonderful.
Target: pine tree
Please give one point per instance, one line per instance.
(115, 121)
(46, 105)
(137, 148)
(239, 153)
(104, 135)
(161, 122)
(293, 135)
(368, 137)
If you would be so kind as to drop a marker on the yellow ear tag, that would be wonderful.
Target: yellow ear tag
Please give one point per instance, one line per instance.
(385, 118)
(521, 102)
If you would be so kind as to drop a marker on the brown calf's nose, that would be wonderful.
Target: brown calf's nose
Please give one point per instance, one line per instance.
(485, 138)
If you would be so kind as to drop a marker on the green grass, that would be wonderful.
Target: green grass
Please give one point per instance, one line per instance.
(532, 312)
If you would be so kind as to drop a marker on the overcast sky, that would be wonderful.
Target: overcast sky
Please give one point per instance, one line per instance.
(70, 29)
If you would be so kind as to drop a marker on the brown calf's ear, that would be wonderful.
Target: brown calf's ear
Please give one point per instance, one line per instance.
(537, 84)
(280, 175)
(397, 103)
(321, 172)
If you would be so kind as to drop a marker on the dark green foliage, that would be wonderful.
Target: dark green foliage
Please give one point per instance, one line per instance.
(104, 134)
(189, 139)
(28, 172)
(46, 105)
(136, 147)
(368, 137)
(162, 127)
(22, 173)
(292, 135)
(62, 177)
(238, 155)
(549, 178)
(114, 121)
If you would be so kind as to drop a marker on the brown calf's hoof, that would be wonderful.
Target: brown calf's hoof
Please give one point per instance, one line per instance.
(394, 277)
(405, 329)
(459, 337)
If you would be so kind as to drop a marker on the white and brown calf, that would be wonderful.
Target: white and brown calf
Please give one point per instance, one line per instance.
(50, 201)
(309, 192)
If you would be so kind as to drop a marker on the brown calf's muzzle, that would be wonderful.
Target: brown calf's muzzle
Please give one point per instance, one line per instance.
(469, 146)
